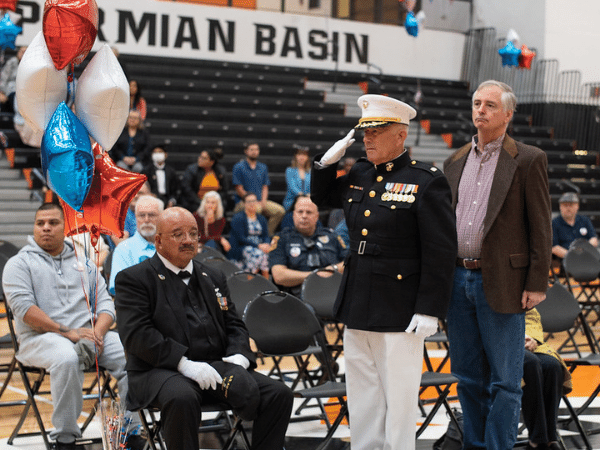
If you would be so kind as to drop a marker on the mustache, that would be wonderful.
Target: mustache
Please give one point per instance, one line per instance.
(186, 247)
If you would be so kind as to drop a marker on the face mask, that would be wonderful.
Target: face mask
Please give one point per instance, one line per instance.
(158, 158)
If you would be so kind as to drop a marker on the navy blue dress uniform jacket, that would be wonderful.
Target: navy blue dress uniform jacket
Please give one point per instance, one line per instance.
(154, 328)
(403, 242)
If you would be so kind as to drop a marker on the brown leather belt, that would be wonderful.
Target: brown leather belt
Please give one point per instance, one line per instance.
(469, 263)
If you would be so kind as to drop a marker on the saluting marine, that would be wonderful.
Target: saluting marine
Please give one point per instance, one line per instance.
(398, 275)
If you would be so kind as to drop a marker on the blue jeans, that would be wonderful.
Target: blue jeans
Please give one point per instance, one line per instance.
(486, 351)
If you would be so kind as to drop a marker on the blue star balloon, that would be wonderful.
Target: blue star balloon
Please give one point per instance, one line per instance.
(411, 24)
(8, 32)
(67, 157)
(510, 54)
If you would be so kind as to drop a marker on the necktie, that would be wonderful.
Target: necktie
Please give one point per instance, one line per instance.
(184, 274)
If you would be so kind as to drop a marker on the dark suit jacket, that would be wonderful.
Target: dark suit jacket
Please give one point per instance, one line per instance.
(517, 244)
(153, 326)
(402, 250)
(171, 182)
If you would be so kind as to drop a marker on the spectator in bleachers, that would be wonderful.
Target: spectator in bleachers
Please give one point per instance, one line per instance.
(8, 81)
(163, 179)
(140, 246)
(249, 238)
(297, 177)
(295, 252)
(250, 175)
(203, 176)
(211, 222)
(130, 224)
(345, 165)
(569, 226)
(131, 149)
(546, 378)
(136, 101)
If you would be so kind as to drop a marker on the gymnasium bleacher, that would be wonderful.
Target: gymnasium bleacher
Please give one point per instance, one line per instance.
(194, 104)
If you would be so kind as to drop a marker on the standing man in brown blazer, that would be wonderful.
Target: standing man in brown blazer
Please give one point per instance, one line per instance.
(503, 213)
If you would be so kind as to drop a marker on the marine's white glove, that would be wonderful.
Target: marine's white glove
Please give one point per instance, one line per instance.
(202, 373)
(337, 150)
(423, 326)
(238, 359)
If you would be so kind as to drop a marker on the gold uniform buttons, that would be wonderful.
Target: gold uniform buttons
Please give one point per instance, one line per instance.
(349, 200)
(372, 194)
(393, 207)
(399, 276)
(413, 163)
(365, 232)
(367, 213)
(379, 179)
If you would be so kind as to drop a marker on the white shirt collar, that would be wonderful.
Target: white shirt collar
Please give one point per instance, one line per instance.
(173, 268)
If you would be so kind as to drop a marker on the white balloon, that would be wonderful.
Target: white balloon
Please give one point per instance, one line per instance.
(102, 98)
(40, 88)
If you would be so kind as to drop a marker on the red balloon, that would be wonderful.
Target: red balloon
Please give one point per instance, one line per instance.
(105, 207)
(70, 28)
(526, 57)
(8, 4)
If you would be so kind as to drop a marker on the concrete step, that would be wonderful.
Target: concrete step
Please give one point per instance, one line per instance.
(20, 240)
(16, 228)
(10, 174)
(13, 184)
(18, 217)
(7, 206)
(14, 194)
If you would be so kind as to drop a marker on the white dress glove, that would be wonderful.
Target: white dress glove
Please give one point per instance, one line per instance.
(337, 150)
(238, 359)
(423, 326)
(202, 373)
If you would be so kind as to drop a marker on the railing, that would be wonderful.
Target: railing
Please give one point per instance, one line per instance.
(553, 98)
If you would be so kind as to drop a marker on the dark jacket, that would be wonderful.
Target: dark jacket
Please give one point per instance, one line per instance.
(516, 250)
(190, 183)
(171, 183)
(402, 241)
(238, 235)
(154, 328)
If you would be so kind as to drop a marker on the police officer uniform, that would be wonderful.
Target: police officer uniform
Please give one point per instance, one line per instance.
(292, 249)
(401, 262)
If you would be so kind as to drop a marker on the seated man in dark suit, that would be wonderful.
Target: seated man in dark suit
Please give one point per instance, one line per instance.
(186, 345)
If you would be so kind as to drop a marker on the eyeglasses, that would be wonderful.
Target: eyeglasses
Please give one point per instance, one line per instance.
(180, 235)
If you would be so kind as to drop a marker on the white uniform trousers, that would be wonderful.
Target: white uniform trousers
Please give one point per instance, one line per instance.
(383, 376)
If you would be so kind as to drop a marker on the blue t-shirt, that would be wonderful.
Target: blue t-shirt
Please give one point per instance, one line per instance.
(252, 180)
(563, 233)
(128, 253)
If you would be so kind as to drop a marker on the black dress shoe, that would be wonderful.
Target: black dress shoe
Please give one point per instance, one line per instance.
(67, 446)
(136, 442)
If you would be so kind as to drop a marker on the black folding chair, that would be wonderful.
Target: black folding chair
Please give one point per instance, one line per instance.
(208, 252)
(282, 325)
(559, 312)
(244, 286)
(33, 379)
(224, 422)
(222, 264)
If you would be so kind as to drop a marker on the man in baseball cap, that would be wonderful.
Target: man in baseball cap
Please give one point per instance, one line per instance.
(570, 226)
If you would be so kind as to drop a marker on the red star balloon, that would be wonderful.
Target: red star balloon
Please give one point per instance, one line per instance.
(526, 57)
(8, 4)
(70, 28)
(105, 207)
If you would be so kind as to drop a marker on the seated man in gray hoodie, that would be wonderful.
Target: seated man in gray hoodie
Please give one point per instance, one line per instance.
(43, 287)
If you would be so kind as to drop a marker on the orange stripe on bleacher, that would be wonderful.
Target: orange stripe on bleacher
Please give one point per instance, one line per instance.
(10, 155)
(426, 125)
(447, 137)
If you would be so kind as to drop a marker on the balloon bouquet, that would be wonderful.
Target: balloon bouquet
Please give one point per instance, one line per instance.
(94, 193)
(514, 56)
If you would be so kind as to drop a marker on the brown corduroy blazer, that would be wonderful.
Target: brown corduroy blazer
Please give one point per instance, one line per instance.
(516, 249)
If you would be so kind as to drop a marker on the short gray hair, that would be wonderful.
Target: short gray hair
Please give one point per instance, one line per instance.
(508, 97)
(150, 200)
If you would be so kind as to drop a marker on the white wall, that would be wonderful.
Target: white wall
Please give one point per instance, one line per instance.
(573, 36)
(565, 31)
